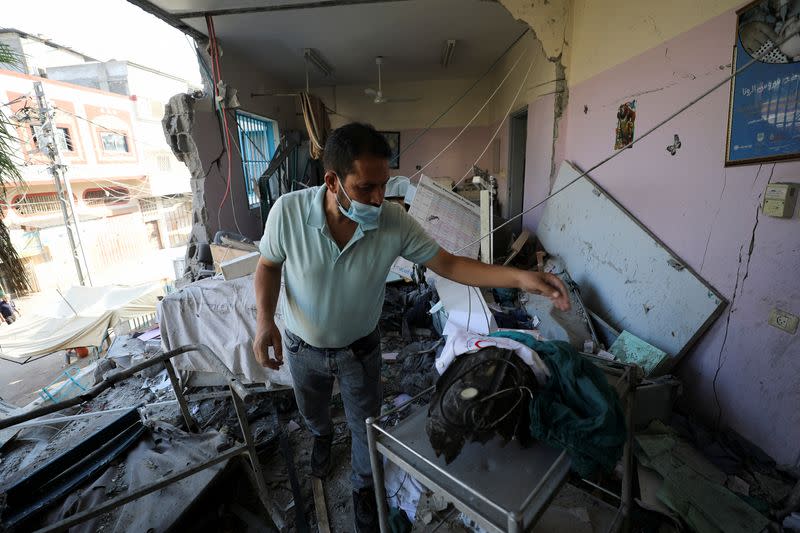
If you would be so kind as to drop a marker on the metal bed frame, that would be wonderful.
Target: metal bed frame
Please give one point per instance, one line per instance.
(511, 494)
(239, 395)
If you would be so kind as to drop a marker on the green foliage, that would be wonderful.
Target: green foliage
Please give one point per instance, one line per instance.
(10, 262)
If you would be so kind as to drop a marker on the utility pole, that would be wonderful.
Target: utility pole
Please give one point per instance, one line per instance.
(46, 140)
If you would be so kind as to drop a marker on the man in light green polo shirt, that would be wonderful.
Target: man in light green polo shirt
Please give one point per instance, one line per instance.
(334, 246)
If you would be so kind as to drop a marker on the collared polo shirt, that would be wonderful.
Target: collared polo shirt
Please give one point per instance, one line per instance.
(334, 297)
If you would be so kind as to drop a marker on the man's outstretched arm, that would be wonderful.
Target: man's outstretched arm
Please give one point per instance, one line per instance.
(471, 272)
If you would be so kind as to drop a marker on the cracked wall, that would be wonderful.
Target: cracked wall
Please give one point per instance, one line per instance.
(742, 372)
(194, 131)
(591, 37)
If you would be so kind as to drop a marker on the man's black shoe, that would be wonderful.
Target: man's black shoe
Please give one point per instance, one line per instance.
(365, 511)
(321, 456)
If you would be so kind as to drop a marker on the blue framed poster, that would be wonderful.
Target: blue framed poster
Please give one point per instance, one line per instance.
(764, 117)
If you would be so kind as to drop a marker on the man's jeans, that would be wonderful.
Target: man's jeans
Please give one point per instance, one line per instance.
(358, 369)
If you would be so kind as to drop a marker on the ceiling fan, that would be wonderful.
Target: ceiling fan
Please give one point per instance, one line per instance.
(378, 96)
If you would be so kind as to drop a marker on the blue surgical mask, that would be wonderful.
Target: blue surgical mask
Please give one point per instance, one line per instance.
(364, 215)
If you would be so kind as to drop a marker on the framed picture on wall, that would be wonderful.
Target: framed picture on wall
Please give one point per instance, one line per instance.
(393, 137)
(764, 115)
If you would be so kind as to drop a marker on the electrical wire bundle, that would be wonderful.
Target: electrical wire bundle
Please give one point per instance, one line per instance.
(216, 74)
(480, 395)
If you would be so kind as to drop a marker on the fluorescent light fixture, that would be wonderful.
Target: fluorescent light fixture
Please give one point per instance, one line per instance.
(447, 52)
(314, 57)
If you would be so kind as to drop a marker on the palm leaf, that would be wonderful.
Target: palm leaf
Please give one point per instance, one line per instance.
(10, 263)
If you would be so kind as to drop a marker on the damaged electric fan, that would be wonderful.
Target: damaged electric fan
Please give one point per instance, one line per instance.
(480, 395)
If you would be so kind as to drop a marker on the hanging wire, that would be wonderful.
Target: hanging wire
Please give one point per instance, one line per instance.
(635, 141)
(460, 98)
(499, 127)
(475, 116)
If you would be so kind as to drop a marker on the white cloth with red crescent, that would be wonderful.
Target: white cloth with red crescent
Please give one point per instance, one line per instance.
(462, 341)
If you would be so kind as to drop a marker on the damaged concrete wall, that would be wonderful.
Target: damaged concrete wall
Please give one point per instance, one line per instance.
(541, 87)
(195, 134)
(742, 370)
(590, 37)
(550, 21)
(178, 124)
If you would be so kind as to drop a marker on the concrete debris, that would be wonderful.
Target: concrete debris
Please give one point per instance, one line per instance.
(123, 348)
(158, 384)
(104, 366)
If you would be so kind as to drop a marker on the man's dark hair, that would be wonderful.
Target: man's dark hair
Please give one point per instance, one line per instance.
(351, 141)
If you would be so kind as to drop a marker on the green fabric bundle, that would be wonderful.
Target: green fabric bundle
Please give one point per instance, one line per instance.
(577, 409)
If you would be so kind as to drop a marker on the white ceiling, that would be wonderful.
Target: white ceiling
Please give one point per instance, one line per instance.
(409, 34)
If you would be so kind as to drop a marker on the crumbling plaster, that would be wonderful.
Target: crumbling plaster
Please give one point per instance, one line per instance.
(590, 37)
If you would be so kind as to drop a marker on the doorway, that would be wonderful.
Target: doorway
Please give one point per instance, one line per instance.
(517, 138)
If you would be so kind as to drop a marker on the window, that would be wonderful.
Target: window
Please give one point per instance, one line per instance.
(114, 142)
(63, 138)
(148, 207)
(258, 138)
(40, 203)
(106, 196)
(163, 162)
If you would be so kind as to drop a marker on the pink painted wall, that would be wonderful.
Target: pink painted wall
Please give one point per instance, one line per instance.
(539, 157)
(454, 162)
(708, 215)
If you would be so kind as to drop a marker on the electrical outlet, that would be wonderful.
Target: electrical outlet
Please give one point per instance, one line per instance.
(783, 320)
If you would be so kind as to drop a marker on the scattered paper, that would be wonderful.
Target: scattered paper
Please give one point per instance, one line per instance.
(149, 335)
(452, 220)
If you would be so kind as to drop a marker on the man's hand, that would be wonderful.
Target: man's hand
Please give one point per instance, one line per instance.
(267, 336)
(545, 284)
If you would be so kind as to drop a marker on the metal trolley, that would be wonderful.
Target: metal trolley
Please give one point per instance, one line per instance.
(503, 488)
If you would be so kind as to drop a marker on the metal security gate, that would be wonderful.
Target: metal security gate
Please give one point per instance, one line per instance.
(258, 140)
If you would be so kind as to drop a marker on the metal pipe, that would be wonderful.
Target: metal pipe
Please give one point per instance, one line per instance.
(78, 518)
(172, 20)
(616, 524)
(514, 522)
(80, 416)
(258, 475)
(557, 465)
(403, 405)
(377, 476)
(115, 377)
(601, 489)
(191, 425)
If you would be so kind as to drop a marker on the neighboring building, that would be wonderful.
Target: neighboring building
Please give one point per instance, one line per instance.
(36, 54)
(132, 196)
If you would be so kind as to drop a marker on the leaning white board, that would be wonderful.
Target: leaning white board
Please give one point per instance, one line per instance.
(625, 273)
